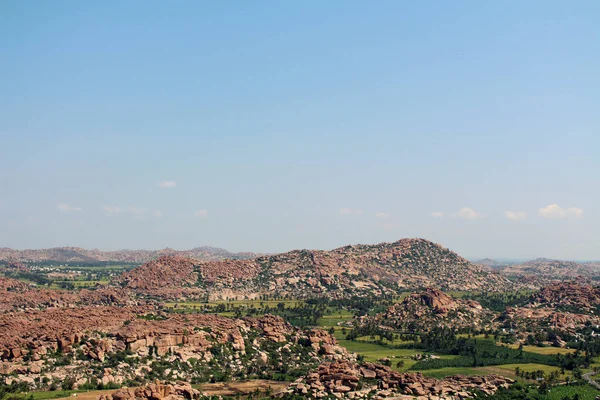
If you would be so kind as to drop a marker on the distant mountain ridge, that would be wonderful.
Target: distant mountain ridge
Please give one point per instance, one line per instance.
(488, 262)
(77, 254)
(546, 270)
(379, 269)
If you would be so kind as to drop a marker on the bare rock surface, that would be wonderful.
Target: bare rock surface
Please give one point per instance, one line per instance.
(156, 391)
(352, 380)
(19, 296)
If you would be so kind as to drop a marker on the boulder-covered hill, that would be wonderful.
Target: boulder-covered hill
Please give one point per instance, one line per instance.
(420, 312)
(79, 255)
(543, 270)
(408, 264)
(575, 296)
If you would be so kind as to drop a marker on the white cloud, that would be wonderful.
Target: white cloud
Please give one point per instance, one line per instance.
(437, 214)
(167, 184)
(64, 207)
(350, 211)
(554, 211)
(201, 214)
(382, 215)
(467, 213)
(112, 210)
(515, 215)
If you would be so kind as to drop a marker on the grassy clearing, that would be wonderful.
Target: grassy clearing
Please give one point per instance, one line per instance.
(458, 294)
(444, 372)
(334, 318)
(83, 283)
(541, 350)
(372, 352)
(65, 394)
(235, 303)
(507, 370)
(528, 367)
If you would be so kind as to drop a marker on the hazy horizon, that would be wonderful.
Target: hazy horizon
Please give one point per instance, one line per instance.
(270, 126)
(506, 259)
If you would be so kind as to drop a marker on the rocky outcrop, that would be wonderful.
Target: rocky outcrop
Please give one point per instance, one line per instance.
(156, 391)
(527, 321)
(574, 296)
(432, 308)
(13, 285)
(353, 380)
(18, 296)
(33, 334)
(563, 308)
(164, 273)
(73, 342)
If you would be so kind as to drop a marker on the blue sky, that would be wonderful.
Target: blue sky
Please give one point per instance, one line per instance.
(268, 125)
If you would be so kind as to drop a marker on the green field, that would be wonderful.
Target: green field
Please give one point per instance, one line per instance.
(83, 283)
(235, 303)
(372, 352)
(334, 318)
(585, 392)
(543, 350)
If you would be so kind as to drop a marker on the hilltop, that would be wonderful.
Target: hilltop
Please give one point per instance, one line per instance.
(79, 255)
(434, 308)
(569, 296)
(383, 268)
(420, 312)
(542, 271)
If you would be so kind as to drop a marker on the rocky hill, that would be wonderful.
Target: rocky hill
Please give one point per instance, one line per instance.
(568, 296)
(542, 271)
(346, 271)
(344, 379)
(18, 296)
(555, 314)
(419, 312)
(118, 345)
(79, 255)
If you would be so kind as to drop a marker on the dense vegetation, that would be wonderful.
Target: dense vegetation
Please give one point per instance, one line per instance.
(498, 301)
(482, 352)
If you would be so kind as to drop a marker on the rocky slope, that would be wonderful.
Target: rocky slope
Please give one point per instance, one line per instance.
(19, 296)
(350, 270)
(13, 285)
(79, 255)
(543, 271)
(583, 298)
(564, 309)
(419, 312)
(155, 391)
(352, 380)
(545, 325)
(133, 345)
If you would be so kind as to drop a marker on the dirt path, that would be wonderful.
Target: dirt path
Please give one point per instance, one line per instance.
(588, 379)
